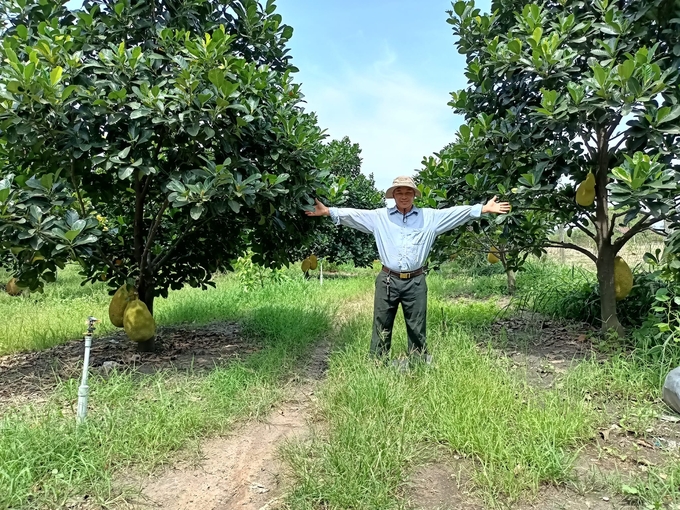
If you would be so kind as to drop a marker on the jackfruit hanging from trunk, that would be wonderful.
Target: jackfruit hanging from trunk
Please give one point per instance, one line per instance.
(139, 324)
(623, 278)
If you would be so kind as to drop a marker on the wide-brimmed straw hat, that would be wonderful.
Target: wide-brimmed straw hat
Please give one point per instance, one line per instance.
(404, 181)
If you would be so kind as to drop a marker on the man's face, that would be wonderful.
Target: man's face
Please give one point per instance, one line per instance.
(403, 196)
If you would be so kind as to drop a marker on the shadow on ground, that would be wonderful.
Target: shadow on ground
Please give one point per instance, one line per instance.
(184, 347)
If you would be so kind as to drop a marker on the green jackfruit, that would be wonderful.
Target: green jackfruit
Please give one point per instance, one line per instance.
(492, 256)
(585, 193)
(623, 278)
(313, 262)
(139, 324)
(12, 288)
(118, 304)
(590, 180)
(306, 265)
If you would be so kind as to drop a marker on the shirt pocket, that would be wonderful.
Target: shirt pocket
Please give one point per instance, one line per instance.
(416, 237)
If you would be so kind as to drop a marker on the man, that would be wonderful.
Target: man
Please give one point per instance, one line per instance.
(404, 235)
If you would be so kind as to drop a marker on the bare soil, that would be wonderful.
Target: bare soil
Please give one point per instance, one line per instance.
(446, 484)
(31, 376)
(242, 470)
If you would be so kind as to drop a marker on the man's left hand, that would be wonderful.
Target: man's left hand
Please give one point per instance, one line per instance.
(496, 207)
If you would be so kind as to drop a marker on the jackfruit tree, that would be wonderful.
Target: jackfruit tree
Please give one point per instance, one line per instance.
(348, 188)
(559, 91)
(151, 142)
(446, 180)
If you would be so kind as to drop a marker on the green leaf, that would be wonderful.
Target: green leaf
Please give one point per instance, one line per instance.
(459, 8)
(118, 8)
(55, 75)
(626, 69)
(29, 69)
(235, 206)
(11, 56)
(67, 92)
(13, 87)
(669, 114)
(196, 211)
(621, 174)
(124, 153)
(176, 186)
(125, 172)
(538, 33)
(634, 86)
(470, 179)
(216, 76)
(600, 75)
(71, 234)
(141, 112)
(79, 225)
(22, 31)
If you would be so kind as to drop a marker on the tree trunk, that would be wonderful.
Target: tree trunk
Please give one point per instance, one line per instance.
(603, 238)
(512, 284)
(146, 295)
(605, 279)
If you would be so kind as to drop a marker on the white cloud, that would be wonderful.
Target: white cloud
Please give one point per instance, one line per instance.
(395, 118)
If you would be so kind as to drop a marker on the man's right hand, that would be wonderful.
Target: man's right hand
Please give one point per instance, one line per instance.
(319, 210)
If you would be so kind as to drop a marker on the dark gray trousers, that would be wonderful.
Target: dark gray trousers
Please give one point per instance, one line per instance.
(412, 294)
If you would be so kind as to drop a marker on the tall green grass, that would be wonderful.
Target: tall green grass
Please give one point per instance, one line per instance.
(378, 419)
(45, 460)
(39, 321)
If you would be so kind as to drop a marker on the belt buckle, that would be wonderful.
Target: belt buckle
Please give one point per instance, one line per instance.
(404, 276)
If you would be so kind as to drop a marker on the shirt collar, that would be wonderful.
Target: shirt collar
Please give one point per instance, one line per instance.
(394, 210)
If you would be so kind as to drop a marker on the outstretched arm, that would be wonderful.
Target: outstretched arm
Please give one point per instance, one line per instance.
(496, 207)
(360, 219)
(449, 218)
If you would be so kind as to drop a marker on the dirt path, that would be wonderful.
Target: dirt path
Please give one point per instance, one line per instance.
(241, 471)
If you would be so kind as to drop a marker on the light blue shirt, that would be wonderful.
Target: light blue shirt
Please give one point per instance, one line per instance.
(404, 241)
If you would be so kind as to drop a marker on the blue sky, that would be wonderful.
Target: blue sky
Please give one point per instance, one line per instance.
(380, 72)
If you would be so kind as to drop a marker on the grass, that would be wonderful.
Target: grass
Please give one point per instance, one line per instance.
(141, 420)
(39, 321)
(378, 424)
(378, 420)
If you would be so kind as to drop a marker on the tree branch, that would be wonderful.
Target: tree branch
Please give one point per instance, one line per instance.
(612, 226)
(113, 266)
(591, 150)
(641, 225)
(152, 235)
(572, 246)
(614, 125)
(162, 257)
(139, 218)
(147, 182)
(585, 230)
(618, 144)
(77, 189)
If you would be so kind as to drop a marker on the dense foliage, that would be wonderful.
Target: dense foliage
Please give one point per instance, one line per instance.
(558, 91)
(151, 142)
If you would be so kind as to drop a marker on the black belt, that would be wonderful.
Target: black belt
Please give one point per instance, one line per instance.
(404, 275)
